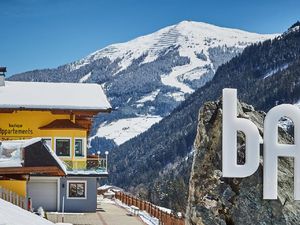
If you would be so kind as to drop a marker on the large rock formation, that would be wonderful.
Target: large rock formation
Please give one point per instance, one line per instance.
(230, 201)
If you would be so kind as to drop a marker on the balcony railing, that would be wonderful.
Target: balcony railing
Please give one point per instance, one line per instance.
(91, 163)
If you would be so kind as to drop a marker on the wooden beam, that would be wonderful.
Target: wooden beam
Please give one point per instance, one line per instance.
(13, 176)
(84, 123)
(90, 112)
(88, 118)
(51, 170)
(87, 112)
(6, 110)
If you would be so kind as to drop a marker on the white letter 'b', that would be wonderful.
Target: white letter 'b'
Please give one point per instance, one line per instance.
(232, 124)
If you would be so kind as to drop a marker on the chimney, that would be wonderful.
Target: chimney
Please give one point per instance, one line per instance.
(2, 76)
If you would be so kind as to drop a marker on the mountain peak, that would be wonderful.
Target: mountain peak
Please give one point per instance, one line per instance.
(190, 36)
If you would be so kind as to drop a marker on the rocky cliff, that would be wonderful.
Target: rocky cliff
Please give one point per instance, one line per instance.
(217, 200)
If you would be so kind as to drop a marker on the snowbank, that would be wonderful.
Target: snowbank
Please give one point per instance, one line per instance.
(14, 215)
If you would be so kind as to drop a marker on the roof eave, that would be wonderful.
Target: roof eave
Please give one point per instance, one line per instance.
(11, 109)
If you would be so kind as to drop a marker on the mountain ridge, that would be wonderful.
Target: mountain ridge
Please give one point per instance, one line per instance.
(147, 77)
(156, 164)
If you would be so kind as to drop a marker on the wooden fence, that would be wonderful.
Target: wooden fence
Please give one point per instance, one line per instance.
(13, 198)
(164, 217)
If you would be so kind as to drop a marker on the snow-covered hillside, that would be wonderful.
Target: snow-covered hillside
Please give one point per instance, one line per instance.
(149, 76)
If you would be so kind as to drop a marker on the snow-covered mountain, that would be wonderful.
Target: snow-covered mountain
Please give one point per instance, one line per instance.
(147, 77)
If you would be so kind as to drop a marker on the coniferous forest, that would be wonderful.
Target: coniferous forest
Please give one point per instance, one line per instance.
(156, 164)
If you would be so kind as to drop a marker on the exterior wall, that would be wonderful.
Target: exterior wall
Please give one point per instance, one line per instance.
(79, 205)
(17, 186)
(25, 125)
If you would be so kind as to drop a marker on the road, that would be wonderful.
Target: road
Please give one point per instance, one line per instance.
(107, 214)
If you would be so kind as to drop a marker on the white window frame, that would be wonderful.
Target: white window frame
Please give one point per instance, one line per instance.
(71, 146)
(83, 147)
(77, 181)
(50, 140)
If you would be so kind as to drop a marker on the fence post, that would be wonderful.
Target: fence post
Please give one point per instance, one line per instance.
(155, 212)
(10, 196)
(151, 209)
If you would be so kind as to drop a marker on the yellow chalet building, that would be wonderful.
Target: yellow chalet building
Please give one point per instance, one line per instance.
(61, 114)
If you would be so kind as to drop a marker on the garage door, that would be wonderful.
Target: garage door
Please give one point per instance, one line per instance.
(43, 193)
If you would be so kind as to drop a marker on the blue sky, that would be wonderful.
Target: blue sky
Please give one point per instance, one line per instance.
(37, 34)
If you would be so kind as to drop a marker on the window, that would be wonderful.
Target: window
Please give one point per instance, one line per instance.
(63, 146)
(77, 189)
(48, 141)
(79, 147)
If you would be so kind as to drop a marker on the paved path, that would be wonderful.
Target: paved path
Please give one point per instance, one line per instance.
(115, 215)
(107, 214)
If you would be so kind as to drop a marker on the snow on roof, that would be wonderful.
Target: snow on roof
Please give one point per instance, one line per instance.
(10, 152)
(42, 95)
(104, 187)
(58, 160)
(96, 172)
(14, 215)
(11, 155)
(109, 187)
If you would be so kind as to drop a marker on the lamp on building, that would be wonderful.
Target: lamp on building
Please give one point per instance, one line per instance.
(98, 153)
(106, 155)
(2, 76)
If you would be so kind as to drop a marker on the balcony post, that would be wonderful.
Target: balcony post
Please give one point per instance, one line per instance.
(106, 156)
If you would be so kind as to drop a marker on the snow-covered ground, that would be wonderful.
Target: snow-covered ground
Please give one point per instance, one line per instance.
(124, 129)
(14, 215)
(150, 97)
(272, 72)
(84, 78)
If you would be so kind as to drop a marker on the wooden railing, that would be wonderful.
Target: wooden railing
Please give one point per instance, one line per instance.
(164, 217)
(13, 198)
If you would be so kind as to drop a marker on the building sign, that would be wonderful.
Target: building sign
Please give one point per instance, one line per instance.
(272, 149)
(15, 130)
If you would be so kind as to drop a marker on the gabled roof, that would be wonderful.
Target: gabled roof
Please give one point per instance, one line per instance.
(62, 124)
(61, 96)
(31, 156)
